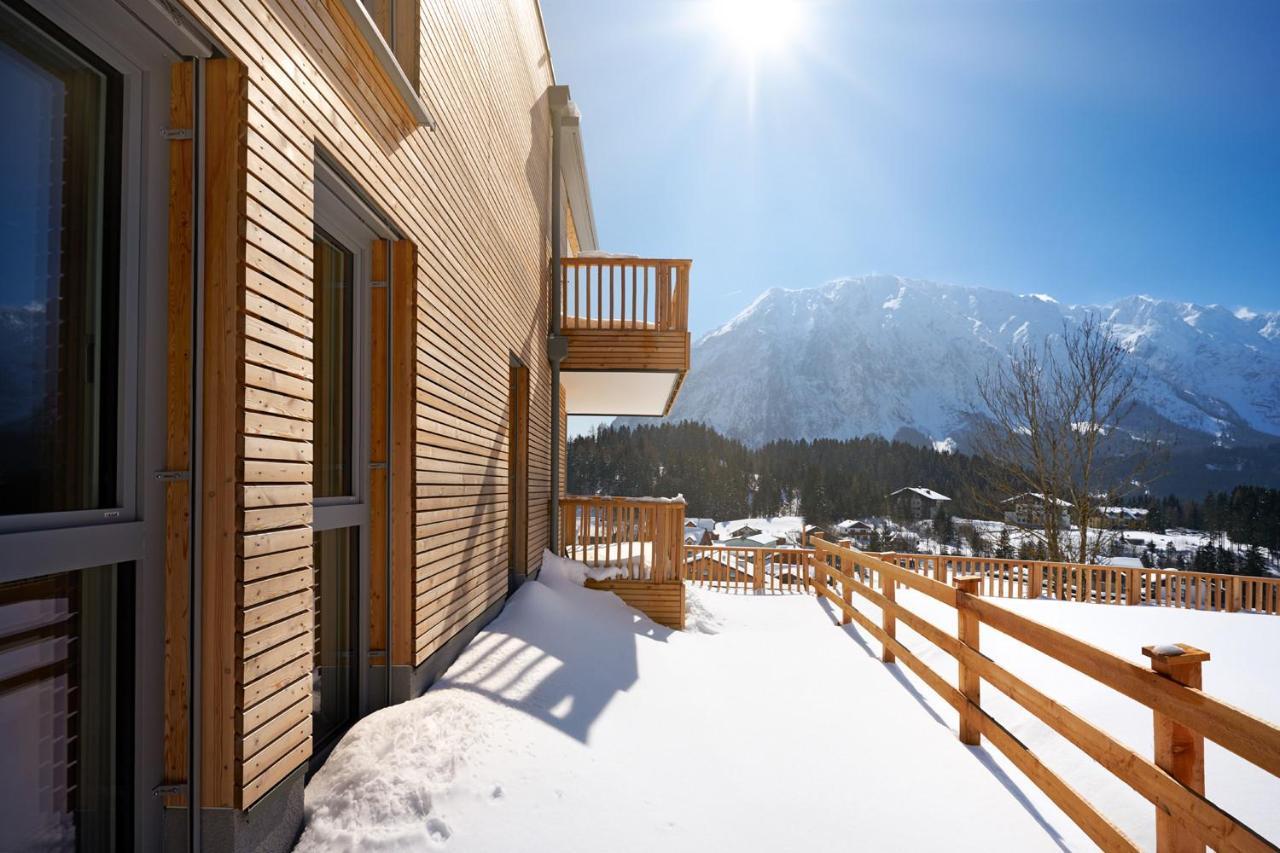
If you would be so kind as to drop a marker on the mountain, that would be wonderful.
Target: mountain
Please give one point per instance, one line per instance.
(884, 355)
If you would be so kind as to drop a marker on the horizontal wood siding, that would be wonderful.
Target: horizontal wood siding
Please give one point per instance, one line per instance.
(627, 350)
(472, 197)
(661, 602)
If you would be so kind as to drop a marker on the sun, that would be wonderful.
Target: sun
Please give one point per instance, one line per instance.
(756, 28)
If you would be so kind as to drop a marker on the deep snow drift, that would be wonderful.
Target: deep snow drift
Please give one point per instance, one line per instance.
(573, 723)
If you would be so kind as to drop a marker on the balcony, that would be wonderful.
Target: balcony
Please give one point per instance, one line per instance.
(626, 321)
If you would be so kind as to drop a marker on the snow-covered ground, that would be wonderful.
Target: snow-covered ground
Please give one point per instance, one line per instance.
(1240, 645)
(573, 723)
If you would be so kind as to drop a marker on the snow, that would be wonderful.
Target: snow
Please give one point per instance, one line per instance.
(946, 445)
(1238, 645)
(784, 527)
(573, 723)
(928, 494)
(597, 253)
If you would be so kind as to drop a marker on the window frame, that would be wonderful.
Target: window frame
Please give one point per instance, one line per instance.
(386, 57)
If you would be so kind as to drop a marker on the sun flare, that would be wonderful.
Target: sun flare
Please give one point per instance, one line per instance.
(756, 28)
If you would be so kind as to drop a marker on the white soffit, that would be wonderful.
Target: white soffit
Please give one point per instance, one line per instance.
(573, 167)
(589, 392)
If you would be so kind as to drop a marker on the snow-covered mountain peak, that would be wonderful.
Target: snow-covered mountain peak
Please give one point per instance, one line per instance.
(895, 356)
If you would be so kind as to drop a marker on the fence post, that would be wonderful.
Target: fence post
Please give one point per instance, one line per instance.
(1133, 588)
(940, 569)
(1179, 751)
(970, 684)
(1036, 581)
(1235, 594)
(757, 576)
(846, 592)
(889, 622)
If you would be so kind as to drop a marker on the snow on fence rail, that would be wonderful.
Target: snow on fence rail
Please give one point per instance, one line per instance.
(731, 568)
(1183, 715)
(624, 293)
(1001, 578)
(641, 538)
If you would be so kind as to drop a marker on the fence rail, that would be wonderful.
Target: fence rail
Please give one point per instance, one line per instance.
(1011, 578)
(639, 537)
(734, 569)
(1183, 715)
(624, 293)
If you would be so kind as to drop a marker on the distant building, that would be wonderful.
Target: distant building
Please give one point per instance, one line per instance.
(811, 532)
(1028, 510)
(698, 536)
(704, 523)
(1119, 517)
(755, 540)
(744, 531)
(916, 503)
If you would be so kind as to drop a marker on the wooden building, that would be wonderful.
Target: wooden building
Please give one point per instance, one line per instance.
(312, 290)
(915, 503)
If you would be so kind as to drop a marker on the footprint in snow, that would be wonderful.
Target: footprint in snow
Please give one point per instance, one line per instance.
(438, 830)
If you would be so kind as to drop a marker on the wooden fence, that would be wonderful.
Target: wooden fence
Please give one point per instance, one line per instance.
(642, 537)
(733, 569)
(1001, 578)
(1183, 716)
(624, 293)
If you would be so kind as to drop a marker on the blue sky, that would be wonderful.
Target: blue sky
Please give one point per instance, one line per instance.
(1088, 150)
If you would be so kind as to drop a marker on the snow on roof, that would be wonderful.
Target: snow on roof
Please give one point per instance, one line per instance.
(1035, 496)
(1123, 511)
(765, 540)
(928, 494)
(705, 523)
(1121, 562)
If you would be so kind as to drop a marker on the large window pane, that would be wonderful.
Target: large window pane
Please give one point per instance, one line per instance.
(58, 296)
(334, 352)
(333, 678)
(58, 720)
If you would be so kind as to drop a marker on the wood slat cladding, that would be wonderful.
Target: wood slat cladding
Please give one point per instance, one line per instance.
(471, 200)
(177, 601)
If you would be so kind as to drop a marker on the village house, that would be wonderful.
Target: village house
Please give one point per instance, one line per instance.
(915, 503)
(1030, 508)
(311, 290)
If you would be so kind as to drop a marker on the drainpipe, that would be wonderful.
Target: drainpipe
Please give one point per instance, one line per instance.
(557, 346)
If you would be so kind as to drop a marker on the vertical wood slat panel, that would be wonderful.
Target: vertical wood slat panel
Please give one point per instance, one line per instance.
(223, 378)
(178, 425)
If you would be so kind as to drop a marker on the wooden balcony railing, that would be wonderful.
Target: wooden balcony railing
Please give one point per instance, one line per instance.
(624, 294)
(1012, 578)
(734, 569)
(639, 537)
(1184, 716)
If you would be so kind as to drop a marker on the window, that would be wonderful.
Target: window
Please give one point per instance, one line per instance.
(334, 366)
(391, 29)
(397, 22)
(59, 302)
(60, 682)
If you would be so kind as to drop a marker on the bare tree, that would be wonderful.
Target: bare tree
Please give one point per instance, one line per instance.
(1049, 410)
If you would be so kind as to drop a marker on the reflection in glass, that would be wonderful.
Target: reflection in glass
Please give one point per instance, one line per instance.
(334, 365)
(58, 302)
(58, 677)
(334, 699)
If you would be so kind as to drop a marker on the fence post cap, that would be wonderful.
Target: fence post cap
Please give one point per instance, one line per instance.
(1175, 654)
(968, 583)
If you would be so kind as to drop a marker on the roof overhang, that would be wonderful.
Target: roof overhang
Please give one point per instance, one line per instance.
(573, 167)
(609, 392)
